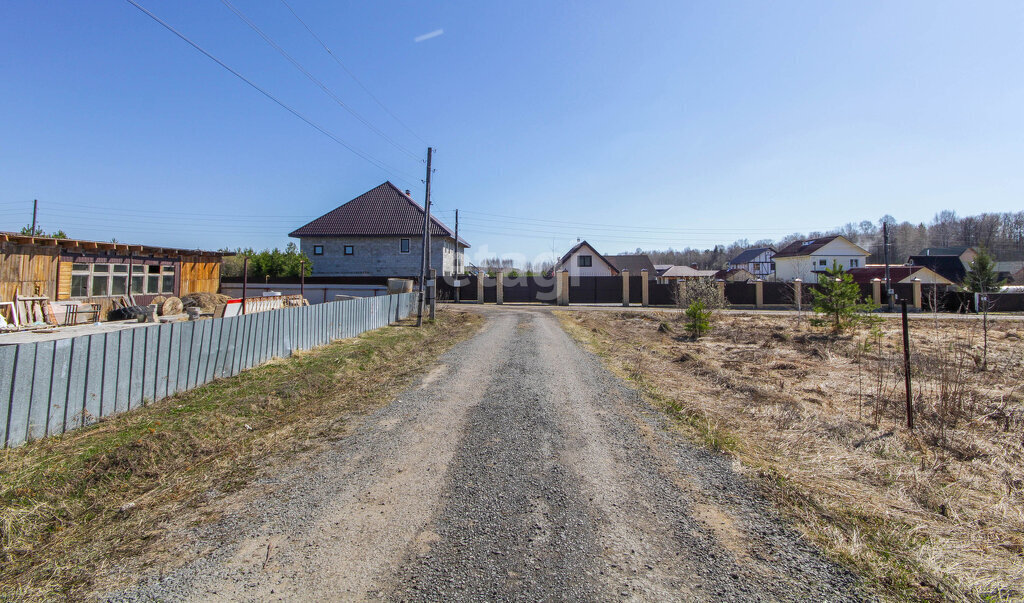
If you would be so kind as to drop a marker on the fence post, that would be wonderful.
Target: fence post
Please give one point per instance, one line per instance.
(558, 287)
(876, 291)
(721, 288)
(644, 288)
(432, 292)
(499, 292)
(625, 288)
(480, 276)
(906, 365)
(917, 293)
(563, 276)
(798, 292)
(758, 293)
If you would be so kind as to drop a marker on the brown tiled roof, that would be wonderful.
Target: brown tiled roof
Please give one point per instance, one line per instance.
(382, 211)
(634, 263)
(804, 247)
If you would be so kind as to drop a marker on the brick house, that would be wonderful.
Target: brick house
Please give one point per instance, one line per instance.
(378, 234)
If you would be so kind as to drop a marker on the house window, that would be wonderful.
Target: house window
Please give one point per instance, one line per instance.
(822, 263)
(318, 249)
(584, 261)
(854, 263)
(350, 250)
(405, 246)
(111, 280)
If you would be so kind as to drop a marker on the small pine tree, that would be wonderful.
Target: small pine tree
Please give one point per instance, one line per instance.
(698, 319)
(982, 276)
(838, 299)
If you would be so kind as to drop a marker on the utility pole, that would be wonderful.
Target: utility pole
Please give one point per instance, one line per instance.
(425, 262)
(888, 281)
(302, 278)
(245, 280)
(35, 209)
(458, 282)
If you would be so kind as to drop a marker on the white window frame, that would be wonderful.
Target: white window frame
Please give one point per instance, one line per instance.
(110, 271)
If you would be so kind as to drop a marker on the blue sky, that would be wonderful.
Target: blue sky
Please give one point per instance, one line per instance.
(642, 124)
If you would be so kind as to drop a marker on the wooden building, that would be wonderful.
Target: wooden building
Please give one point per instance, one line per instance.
(73, 269)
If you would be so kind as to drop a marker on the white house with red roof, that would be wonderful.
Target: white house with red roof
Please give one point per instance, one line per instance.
(378, 234)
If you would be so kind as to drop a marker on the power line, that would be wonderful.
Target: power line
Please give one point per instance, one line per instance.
(350, 74)
(376, 163)
(314, 79)
(620, 227)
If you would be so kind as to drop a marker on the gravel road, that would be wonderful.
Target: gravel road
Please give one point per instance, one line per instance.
(519, 469)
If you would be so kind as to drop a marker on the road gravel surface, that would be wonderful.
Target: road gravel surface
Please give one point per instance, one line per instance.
(519, 469)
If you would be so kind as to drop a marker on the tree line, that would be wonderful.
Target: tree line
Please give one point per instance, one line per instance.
(269, 262)
(1001, 234)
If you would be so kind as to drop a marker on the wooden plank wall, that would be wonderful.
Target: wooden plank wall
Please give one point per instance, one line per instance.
(199, 274)
(27, 270)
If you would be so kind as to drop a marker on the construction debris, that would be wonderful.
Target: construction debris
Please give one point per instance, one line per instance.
(206, 302)
(34, 312)
(171, 305)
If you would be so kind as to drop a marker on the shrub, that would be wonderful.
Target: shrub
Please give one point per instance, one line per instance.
(704, 290)
(698, 319)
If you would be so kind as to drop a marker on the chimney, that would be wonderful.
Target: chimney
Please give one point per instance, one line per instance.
(694, 266)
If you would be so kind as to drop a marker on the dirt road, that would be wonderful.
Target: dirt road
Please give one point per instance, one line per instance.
(520, 469)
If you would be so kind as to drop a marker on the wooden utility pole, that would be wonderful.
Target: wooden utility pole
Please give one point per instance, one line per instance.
(906, 365)
(888, 281)
(35, 210)
(425, 262)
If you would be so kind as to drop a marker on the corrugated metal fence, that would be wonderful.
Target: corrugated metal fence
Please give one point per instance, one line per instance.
(51, 387)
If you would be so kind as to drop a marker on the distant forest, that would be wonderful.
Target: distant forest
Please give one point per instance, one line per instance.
(1001, 234)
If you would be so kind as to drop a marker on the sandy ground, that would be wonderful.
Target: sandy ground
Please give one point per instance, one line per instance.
(518, 469)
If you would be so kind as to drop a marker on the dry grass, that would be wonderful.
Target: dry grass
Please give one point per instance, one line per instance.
(72, 507)
(937, 513)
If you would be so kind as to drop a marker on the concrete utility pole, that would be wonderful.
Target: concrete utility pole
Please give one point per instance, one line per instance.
(888, 281)
(457, 273)
(425, 263)
(35, 210)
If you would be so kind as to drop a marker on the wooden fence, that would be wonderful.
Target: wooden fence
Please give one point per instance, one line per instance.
(50, 387)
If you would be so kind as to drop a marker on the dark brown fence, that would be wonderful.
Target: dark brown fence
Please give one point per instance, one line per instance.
(608, 290)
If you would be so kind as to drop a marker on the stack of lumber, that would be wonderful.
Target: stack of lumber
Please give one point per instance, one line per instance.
(34, 312)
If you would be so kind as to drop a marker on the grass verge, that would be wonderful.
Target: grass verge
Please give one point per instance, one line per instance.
(931, 514)
(74, 505)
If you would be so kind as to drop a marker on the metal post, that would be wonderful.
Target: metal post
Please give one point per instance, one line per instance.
(432, 293)
(302, 278)
(35, 209)
(906, 365)
(888, 281)
(245, 280)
